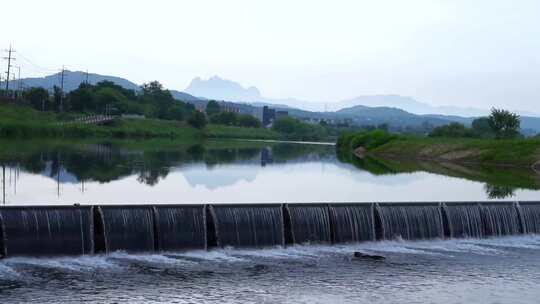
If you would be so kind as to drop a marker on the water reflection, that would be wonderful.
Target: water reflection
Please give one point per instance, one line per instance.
(149, 162)
(234, 171)
(500, 182)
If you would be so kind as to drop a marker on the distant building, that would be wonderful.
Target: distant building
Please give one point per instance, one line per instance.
(225, 107)
(268, 117)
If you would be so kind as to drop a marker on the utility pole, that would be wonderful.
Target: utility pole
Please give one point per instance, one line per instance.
(9, 59)
(86, 76)
(62, 89)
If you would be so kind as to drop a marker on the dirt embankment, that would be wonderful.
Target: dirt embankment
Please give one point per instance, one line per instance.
(459, 154)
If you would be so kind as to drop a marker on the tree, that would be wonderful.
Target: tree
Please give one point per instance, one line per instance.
(57, 98)
(452, 130)
(482, 127)
(197, 120)
(248, 121)
(224, 118)
(155, 94)
(293, 128)
(212, 107)
(82, 99)
(38, 97)
(504, 123)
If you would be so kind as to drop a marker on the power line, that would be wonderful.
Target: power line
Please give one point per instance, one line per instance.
(38, 67)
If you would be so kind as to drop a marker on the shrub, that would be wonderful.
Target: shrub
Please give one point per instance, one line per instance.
(197, 120)
(454, 130)
(368, 140)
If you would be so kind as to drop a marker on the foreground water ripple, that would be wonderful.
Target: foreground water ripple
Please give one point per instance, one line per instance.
(493, 270)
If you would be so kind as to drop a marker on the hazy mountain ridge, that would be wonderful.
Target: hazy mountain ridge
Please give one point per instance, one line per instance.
(73, 79)
(222, 89)
(368, 113)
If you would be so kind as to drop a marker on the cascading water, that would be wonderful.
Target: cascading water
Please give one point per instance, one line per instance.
(129, 228)
(410, 221)
(530, 215)
(47, 230)
(352, 222)
(248, 226)
(500, 219)
(180, 227)
(84, 230)
(464, 220)
(309, 223)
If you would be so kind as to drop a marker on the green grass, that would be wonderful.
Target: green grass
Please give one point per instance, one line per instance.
(514, 152)
(219, 131)
(510, 152)
(25, 122)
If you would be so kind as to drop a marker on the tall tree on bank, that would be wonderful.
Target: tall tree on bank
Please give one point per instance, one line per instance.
(38, 97)
(197, 120)
(212, 107)
(482, 127)
(153, 92)
(504, 123)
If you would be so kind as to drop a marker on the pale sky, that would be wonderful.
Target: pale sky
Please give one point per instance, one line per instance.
(479, 53)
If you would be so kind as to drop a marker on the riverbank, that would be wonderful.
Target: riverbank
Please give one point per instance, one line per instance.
(24, 122)
(512, 152)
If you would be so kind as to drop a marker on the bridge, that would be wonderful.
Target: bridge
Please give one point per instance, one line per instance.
(99, 119)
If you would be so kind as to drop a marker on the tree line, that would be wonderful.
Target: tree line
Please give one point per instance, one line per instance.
(106, 97)
(499, 124)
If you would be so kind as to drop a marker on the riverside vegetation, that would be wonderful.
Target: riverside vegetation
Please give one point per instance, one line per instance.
(493, 140)
(38, 114)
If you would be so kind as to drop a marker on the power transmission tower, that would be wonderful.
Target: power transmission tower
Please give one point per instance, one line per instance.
(9, 58)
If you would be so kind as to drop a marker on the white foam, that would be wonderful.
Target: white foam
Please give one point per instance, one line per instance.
(214, 255)
(77, 264)
(7, 272)
(150, 258)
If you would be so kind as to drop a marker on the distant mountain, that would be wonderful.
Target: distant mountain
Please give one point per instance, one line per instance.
(408, 104)
(389, 115)
(72, 80)
(222, 89)
(183, 96)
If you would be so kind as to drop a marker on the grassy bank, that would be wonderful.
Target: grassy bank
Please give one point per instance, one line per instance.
(25, 122)
(512, 152)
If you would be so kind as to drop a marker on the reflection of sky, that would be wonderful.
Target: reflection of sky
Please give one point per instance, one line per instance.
(219, 175)
(309, 181)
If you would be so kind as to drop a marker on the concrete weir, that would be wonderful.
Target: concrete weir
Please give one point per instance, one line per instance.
(83, 230)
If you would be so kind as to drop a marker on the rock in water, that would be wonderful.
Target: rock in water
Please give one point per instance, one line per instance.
(361, 255)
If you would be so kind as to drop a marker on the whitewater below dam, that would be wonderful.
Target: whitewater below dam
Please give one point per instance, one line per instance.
(493, 270)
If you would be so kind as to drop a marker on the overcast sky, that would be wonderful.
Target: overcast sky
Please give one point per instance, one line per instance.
(465, 53)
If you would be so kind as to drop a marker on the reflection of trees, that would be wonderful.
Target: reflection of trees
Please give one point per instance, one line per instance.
(499, 182)
(499, 192)
(369, 164)
(284, 152)
(105, 163)
(151, 176)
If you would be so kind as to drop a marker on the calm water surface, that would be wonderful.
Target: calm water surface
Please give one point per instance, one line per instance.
(238, 172)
